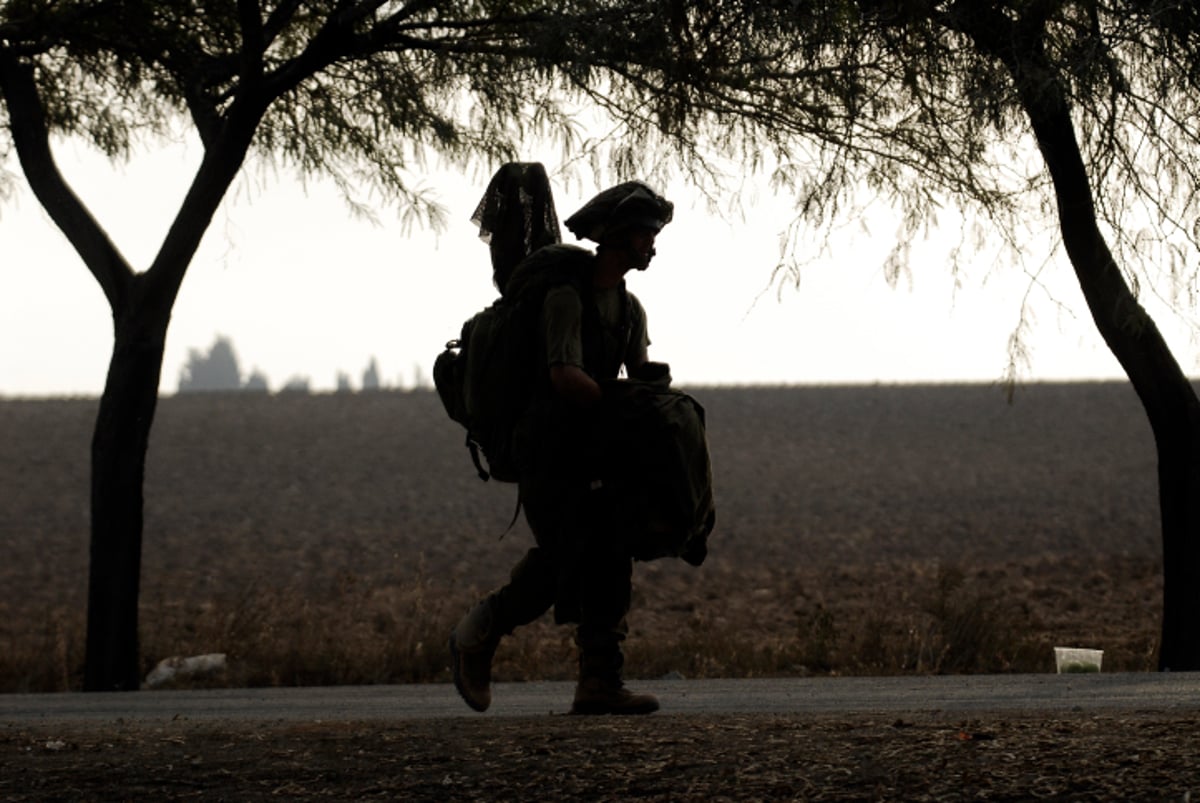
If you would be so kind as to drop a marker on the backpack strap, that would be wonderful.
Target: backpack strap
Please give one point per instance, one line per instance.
(473, 447)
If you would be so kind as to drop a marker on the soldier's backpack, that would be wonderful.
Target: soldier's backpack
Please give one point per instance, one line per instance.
(487, 377)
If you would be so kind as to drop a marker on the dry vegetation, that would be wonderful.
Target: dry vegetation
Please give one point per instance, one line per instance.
(335, 539)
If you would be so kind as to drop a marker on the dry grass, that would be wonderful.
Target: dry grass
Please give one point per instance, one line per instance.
(335, 539)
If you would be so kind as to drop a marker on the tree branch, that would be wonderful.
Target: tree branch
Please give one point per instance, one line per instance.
(224, 155)
(254, 42)
(278, 19)
(31, 136)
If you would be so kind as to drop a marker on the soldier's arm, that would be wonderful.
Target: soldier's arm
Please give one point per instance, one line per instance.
(636, 360)
(637, 354)
(562, 322)
(573, 384)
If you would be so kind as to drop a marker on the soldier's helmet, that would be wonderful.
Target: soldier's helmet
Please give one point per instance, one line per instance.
(633, 204)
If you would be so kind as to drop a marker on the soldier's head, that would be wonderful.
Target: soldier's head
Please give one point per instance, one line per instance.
(624, 219)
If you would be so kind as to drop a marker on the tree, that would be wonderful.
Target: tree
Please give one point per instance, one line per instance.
(297, 384)
(354, 90)
(256, 382)
(923, 102)
(217, 370)
(370, 376)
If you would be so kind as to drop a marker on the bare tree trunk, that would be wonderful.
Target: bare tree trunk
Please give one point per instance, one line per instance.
(119, 446)
(1179, 497)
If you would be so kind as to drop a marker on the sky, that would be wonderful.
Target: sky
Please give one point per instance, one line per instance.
(305, 290)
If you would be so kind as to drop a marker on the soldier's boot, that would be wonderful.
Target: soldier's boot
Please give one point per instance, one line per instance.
(473, 644)
(600, 689)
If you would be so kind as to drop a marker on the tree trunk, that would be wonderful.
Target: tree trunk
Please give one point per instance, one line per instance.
(1166, 394)
(1179, 498)
(119, 446)
(141, 305)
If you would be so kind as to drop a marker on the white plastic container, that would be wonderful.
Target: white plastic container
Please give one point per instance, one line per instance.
(1077, 659)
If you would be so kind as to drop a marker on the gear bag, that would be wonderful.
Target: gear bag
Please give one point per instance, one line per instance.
(658, 471)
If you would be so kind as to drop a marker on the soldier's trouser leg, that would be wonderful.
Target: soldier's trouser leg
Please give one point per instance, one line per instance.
(605, 593)
(531, 590)
(529, 594)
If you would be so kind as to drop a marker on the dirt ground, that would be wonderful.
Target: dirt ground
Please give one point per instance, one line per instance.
(1134, 756)
(856, 526)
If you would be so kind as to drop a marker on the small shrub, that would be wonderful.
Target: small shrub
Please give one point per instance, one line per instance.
(966, 629)
(818, 639)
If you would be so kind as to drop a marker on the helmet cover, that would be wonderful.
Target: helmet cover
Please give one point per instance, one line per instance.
(630, 205)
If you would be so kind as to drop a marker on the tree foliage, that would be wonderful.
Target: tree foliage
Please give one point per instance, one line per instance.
(847, 104)
(363, 92)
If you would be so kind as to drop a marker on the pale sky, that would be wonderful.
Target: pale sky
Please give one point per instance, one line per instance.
(303, 289)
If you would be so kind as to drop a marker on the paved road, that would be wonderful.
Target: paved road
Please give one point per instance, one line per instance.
(1147, 692)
